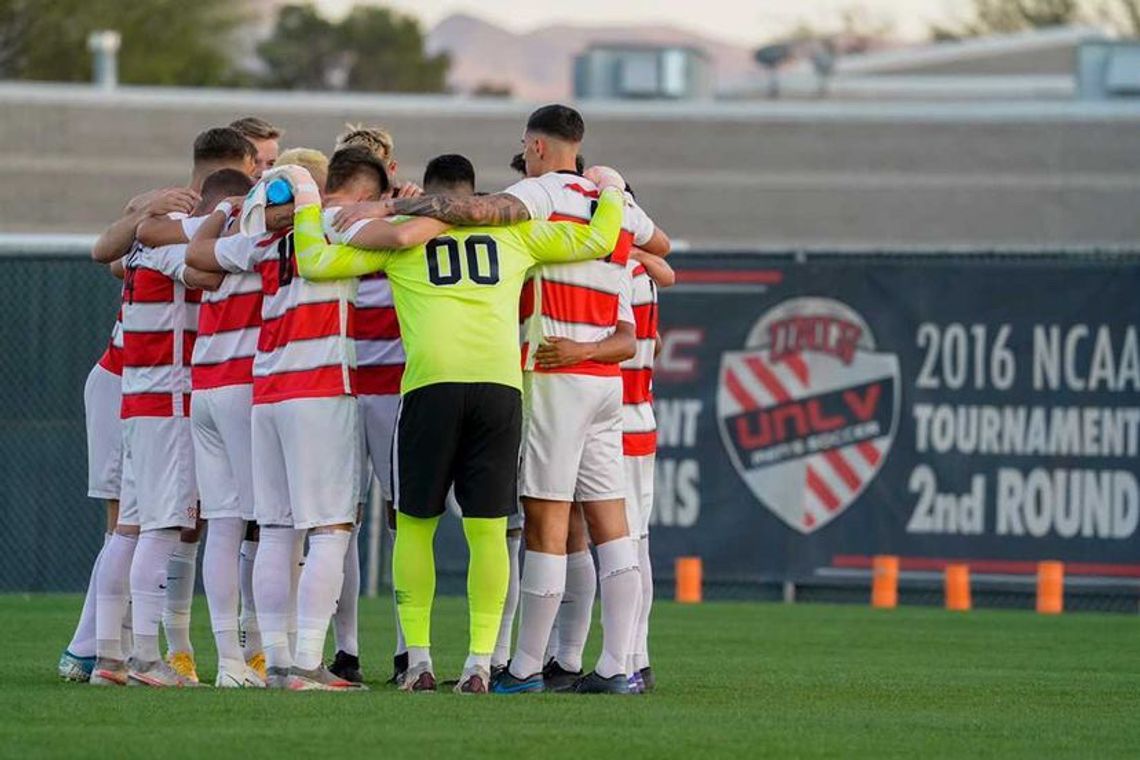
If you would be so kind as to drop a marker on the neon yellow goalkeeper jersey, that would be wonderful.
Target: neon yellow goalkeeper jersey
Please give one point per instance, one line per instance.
(457, 296)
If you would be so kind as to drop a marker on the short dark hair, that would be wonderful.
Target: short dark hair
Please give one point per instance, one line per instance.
(518, 163)
(558, 121)
(450, 169)
(579, 163)
(226, 182)
(352, 161)
(256, 128)
(222, 144)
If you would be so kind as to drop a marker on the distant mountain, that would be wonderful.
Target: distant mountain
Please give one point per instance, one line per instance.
(538, 65)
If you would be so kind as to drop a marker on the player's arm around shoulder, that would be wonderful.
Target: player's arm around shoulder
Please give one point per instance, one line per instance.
(202, 251)
(318, 259)
(570, 241)
(658, 270)
(494, 210)
(395, 234)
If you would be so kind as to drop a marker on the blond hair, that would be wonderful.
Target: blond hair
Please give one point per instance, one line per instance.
(308, 158)
(256, 128)
(376, 139)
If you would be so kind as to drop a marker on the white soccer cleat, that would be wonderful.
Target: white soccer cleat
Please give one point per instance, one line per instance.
(235, 674)
(319, 679)
(158, 674)
(109, 673)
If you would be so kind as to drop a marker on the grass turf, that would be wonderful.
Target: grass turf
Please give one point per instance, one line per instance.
(741, 680)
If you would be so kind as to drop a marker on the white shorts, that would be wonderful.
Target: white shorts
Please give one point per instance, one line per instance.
(378, 414)
(639, 494)
(223, 450)
(306, 461)
(102, 399)
(128, 494)
(571, 447)
(161, 452)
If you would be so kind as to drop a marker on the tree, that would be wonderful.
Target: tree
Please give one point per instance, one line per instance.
(371, 49)
(1008, 16)
(165, 42)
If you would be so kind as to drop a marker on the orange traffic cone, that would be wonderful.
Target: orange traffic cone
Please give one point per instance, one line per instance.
(885, 581)
(1050, 588)
(688, 570)
(958, 587)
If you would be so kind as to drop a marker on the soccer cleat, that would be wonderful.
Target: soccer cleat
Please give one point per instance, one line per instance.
(319, 679)
(158, 674)
(74, 668)
(592, 683)
(347, 666)
(507, 683)
(109, 673)
(183, 664)
(399, 669)
(276, 678)
(557, 678)
(236, 674)
(419, 678)
(473, 681)
(257, 663)
(648, 680)
(636, 685)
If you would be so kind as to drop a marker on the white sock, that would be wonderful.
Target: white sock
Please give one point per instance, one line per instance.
(621, 598)
(127, 632)
(477, 661)
(506, 627)
(220, 567)
(401, 645)
(113, 595)
(296, 568)
(320, 586)
(250, 632)
(82, 642)
(148, 576)
(345, 624)
(181, 574)
(272, 575)
(576, 609)
(541, 587)
(416, 655)
(640, 651)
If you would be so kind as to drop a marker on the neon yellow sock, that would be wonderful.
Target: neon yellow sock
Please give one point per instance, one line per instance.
(413, 572)
(487, 577)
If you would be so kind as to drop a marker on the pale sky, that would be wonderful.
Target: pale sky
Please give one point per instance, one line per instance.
(737, 21)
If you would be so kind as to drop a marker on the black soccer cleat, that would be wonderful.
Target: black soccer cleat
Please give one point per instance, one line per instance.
(399, 669)
(592, 683)
(347, 666)
(648, 680)
(557, 678)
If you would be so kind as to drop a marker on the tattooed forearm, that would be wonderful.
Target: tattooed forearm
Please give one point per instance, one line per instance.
(481, 210)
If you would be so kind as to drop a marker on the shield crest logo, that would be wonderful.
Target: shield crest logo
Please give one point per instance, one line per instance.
(808, 410)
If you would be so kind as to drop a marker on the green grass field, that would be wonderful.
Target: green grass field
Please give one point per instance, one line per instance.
(742, 680)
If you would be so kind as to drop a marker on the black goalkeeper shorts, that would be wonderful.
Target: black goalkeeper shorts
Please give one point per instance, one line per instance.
(462, 433)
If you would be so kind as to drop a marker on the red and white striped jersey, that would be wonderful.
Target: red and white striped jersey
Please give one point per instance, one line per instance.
(112, 358)
(639, 426)
(579, 301)
(229, 320)
(305, 347)
(379, 351)
(159, 320)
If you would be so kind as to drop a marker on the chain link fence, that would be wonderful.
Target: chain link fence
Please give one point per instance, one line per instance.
(56, 313)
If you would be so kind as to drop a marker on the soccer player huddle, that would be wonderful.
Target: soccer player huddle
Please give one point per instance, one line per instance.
(293, 324)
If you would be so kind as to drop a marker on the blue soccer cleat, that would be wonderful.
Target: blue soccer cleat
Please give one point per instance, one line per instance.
(506, 683)
(75, 668)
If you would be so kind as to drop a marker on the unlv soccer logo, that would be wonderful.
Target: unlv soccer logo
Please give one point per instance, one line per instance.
(807, 411)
